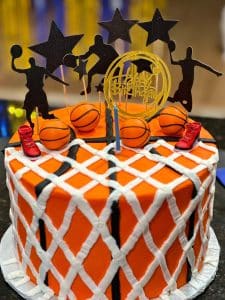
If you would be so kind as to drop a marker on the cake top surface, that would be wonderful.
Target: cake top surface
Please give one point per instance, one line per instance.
(89, 163)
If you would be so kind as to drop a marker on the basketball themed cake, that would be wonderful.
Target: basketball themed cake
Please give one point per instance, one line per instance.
(118, 203)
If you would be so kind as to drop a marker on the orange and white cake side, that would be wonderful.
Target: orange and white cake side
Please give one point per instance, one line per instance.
(89, 223)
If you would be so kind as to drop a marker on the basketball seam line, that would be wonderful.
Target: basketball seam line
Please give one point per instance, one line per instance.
(167, 114)
(134, 126)
(84, 114)
(143, 122)
(169, 125)
(133, 138)
(60, 147)
(177, 108)
(80, 104)
(88, 123)
(63, 137)
(146, 140)
(51, 127)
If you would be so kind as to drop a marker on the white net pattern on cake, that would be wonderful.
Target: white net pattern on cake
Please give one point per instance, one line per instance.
(99, 222)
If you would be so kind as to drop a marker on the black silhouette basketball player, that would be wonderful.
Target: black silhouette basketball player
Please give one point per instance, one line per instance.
(183, 93)
(106, 54)
(36, 96)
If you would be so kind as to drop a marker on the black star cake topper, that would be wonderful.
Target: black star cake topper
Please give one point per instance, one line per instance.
(158, 28)
(56, 47)
(142, 65)
(118, 27)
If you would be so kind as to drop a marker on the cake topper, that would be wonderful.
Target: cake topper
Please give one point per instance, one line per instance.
(142, 65)
(183, 93)
(56, 47)
(70, 60)
(99, 87)
(36, 96)
(106, 54)
(99, 90)
(158, 28)
(118, 27)
(81, 70)
(150, 87)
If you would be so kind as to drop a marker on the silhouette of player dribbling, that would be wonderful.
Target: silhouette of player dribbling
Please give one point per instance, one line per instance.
(106, 54)
(183, 93)
(36, 96)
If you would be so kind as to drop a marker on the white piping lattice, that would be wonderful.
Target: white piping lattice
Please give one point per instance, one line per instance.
(78, 201)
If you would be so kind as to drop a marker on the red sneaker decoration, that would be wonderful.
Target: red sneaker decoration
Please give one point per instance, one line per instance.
(29, 147)
(192, 131)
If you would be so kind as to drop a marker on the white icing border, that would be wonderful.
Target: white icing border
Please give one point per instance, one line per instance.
(20, 282)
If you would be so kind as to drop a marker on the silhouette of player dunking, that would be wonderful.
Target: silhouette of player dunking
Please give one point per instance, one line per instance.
(36, 96)
(183, 93)
(106, 54)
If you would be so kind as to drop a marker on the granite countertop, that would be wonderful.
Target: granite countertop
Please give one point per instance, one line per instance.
(216, 290)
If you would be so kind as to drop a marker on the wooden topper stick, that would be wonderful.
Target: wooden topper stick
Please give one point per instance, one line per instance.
(158, 48)
(99, 89)
(64, 87)
(37, 120)
(99, 101)
(85, 88)
(126, 99)
(120, 98)
(81, 70)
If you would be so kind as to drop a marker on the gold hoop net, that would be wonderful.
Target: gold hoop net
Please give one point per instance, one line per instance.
(137, 77)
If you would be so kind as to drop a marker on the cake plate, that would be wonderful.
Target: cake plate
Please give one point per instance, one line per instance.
(20, 282)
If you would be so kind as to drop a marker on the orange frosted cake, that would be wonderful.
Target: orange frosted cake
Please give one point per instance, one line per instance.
(90, 223)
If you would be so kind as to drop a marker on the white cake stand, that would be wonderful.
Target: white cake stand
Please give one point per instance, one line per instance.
(20, 282)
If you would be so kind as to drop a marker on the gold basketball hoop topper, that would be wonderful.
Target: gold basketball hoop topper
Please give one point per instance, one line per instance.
(137, 77)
